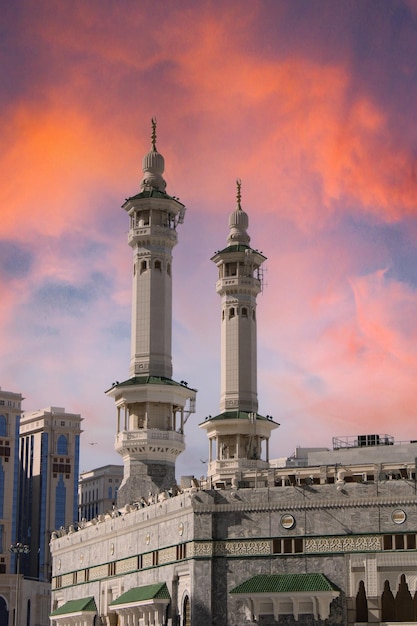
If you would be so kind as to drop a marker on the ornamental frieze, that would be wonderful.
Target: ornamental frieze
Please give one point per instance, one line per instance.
(366, 543)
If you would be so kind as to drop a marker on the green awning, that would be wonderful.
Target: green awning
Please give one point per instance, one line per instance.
(149, 380)
(83, 605)
(237, 415)
(285, 583)
(157, 591)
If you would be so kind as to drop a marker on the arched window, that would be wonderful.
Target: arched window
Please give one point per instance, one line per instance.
(404, 610)
(143, 267)
(4, 613)
(231, 312)
(186, 612)
(169, 269)
(158, 265)
(28, 614)
(62, 445)
(244, 312)
(387, 604)
(361, 604)
(3, 426)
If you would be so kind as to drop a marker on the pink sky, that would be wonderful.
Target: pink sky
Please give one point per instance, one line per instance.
(312, 105)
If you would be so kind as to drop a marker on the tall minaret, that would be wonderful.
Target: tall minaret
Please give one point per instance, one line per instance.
(238, 436)
(151, 407)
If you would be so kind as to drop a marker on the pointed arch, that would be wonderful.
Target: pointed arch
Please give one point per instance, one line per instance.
(387, 604)
(404, 610)
(186, 611)
(361, 604)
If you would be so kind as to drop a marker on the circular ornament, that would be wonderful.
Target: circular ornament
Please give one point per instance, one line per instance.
(287, 521)
(398, 516)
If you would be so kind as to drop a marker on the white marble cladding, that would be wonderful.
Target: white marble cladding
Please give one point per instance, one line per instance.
(109, 539)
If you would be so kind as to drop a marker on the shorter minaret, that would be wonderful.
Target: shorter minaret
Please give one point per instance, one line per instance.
(151, 407)
(238, 436)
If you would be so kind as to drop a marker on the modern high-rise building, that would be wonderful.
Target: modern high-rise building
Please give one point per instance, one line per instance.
(97, 490)
(22, 601)
(10, 410)
(48, 493)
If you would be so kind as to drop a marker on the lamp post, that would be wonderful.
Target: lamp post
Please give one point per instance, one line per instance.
(18, 549)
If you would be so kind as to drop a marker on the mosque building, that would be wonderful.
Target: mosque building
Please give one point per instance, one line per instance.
(328, 538)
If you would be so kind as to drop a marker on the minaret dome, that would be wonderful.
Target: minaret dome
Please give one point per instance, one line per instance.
(238, 221)
(153, 165)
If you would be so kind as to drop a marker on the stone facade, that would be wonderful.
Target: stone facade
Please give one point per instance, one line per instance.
(204, 543)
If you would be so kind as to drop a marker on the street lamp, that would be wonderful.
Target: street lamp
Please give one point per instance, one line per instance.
(18, 549)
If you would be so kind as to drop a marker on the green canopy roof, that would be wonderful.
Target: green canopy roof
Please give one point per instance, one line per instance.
(76, 606)
(285, 583)
(151, 193)
(236, 415)
(149, 380)
(157, 591)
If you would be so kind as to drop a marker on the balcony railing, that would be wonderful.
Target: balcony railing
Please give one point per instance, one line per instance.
(147, 434)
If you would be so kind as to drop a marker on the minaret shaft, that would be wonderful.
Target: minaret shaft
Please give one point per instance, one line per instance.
(238, 436)
(152, 235)
(151, 407)
(238, 353)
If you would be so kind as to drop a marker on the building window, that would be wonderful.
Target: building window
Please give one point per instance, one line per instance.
(288, 545)
(244, 312)
(169, 269)
(231, 269)
(3, 426)
(155, 557)
(158, 265)
(186, 612)
(181, 551)
(62, 444)
(112, 568)
(60, 497)
(361, 604)
(231, 312)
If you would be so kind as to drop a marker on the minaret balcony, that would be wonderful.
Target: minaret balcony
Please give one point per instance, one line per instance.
(234, 283)
(149, 434)
(146, 232)
(150, 444)
(229, 466)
